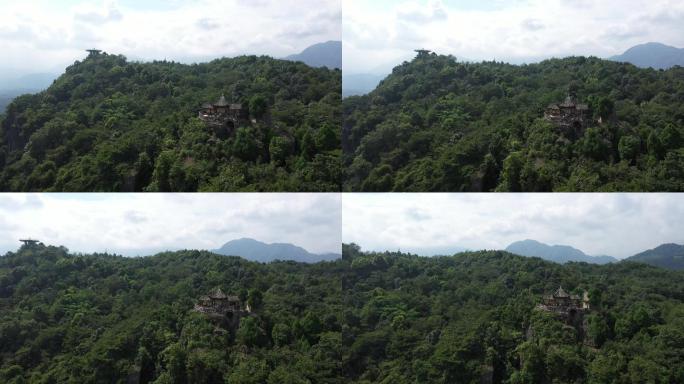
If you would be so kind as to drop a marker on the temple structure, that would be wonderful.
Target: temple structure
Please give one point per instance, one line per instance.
(225, 310)
(29, 242)
(570, 117)
(222, 117)
(563, 303)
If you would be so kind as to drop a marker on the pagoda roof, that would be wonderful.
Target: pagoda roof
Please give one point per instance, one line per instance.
(217, 294)
(560, 292)
(222, 102)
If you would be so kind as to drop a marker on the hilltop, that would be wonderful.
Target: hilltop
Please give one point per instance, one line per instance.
(670, 256)
(93, 318)
(653, 55)
(475, 317)
(108, 124)
(328, 54)
(437, 124)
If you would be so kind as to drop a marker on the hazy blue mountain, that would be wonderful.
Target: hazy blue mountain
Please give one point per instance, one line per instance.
(33, 82)
(11, 87)
(254, 250)
(434, 251)
(5, 99)
(655, 55)
(328, 54)
(669, 256)
(360, 83)
(557, 253)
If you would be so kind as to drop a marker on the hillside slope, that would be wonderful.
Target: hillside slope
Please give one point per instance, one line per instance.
(328, 54)
(436, 124)
(471, 318)
(108, 319)
(108, 124)
(669, 256)
(653, 55)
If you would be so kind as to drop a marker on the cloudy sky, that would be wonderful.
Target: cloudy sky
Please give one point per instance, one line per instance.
(618, 225)
(381, 33)
(133, 224)
(48, 35)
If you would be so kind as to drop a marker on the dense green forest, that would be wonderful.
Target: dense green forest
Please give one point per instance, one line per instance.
(436, 124)
(367, 318)
(471, 318)
(72, 318)
(108, 124)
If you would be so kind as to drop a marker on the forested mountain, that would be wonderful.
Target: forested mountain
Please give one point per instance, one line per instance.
(556, 253)
(108, 124)
(654, 55)
(254, 250)
(670, 256)
(72, 318)
(473, 318)
(436, 124)
(328, 54)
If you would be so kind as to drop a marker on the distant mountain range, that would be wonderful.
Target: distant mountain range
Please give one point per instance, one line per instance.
(654, 55)
(254, 250)
(33, 83)
(328, 54)
(557, 253)
(670, 256)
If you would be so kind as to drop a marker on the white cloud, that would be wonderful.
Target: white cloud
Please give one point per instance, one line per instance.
(141, 223)
(378, 35)
(44, 35)
(619, 225)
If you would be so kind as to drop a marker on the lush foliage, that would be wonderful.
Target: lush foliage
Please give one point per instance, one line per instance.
(99, 318)
(112, 125)
(436, 124)
(471, 318)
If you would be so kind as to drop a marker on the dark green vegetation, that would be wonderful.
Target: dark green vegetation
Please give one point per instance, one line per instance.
(670, 256)
(99, 318)
(112, 125)
(471, 318)
(436, 124)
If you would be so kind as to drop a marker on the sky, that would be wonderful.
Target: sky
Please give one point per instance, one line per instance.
(143, 224)
(380, 34)
(41, 36)
(614, 224)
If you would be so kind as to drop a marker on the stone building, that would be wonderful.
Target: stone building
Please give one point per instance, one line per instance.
(562, 302)
(223, 117)
(570, 117)
(568, 308)
(225, 310)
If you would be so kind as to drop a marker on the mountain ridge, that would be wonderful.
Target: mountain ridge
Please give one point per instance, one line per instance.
(556, 253)
(669, 256)
(327, 54)
(653, 54)
(255, 250)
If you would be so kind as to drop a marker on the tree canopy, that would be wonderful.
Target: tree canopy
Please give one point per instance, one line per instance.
(100, 318)
(471, 318)
(436, 124)
(108, 124)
